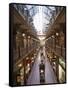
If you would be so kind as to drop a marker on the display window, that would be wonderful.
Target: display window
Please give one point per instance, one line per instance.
(61, 74)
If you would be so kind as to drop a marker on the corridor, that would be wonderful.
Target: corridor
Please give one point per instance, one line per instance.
(38, 45)
(34, 77)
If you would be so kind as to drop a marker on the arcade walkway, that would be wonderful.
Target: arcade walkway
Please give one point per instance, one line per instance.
(31, 28)
(34, 77)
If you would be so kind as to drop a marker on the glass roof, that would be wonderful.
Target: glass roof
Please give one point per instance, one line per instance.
(38, 16)
(32, 9)
(41, 17)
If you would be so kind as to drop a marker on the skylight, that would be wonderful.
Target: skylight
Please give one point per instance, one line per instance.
(42, 18)
(38, 21)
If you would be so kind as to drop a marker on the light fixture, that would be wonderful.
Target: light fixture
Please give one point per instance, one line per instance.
(42, 71)
(23, 34)
(27, 58)
(32, 61)
(28, 36)
(54, 63)
(53, 36)
(20, 65)
(57, 34)
(32, 58)
(28, 64)
(21, 77)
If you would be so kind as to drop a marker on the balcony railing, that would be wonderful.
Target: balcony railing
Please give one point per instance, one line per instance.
(17, 54)
(60, 51)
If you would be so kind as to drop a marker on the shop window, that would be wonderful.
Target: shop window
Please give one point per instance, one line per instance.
(62, 63)
(61, 75)
(27, 68)
(22, 76)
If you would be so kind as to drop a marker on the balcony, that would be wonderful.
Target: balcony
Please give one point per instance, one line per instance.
(59, 51)
(58, 17)
(22, 52)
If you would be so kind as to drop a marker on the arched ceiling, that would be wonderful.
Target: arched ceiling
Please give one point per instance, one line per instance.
(41, 17)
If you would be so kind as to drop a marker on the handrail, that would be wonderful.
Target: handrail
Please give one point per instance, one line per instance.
(58, 51)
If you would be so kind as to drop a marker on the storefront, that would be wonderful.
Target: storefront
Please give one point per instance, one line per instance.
(20, 74)
(27, 67)
(61, 71)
